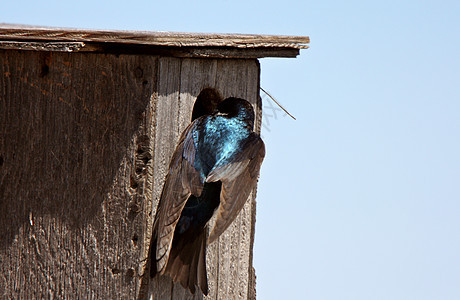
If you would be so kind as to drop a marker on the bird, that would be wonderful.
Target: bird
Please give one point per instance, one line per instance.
(213, 170)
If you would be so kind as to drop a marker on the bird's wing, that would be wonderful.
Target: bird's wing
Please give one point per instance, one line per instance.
(238, 180)
(181, 181)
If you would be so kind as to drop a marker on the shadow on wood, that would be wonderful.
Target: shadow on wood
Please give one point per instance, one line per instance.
(69, 135)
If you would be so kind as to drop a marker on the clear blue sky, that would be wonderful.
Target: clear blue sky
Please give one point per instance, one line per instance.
(360, 197)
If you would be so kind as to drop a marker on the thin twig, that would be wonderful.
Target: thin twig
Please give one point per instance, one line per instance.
(271, 97)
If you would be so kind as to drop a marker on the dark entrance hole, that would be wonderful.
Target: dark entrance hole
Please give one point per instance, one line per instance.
(206, 103)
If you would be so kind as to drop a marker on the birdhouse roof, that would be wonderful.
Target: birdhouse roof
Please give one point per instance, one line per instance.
(150, 42)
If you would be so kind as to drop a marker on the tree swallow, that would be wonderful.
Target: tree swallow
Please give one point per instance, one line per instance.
(213, 170)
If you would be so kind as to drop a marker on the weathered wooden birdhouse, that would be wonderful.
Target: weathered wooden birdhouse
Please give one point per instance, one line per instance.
(88, 122)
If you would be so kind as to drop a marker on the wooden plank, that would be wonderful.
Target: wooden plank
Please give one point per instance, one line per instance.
(238, 78)
(174, 51)
(43, 46)
(74, 153)
(230, 259)
(196, 74)
(177, 39)
(253, 72)
(221, 52)
(148, 206)
(166, 138)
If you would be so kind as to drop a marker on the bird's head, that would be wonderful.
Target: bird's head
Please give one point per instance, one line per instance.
(237, 108)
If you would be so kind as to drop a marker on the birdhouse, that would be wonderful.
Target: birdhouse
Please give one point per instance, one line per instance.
(89, 120)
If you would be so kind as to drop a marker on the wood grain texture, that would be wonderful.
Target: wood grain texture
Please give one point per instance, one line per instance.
(196, 76)
(166, 137)
(43, 46)
(224, 52)
(234, 253)
(139, 49)
(85, 143)
(175, 44)
(179, 39)
(229, 260)
(74, 150)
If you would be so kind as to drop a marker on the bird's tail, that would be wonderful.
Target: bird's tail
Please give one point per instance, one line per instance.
(187, 262)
